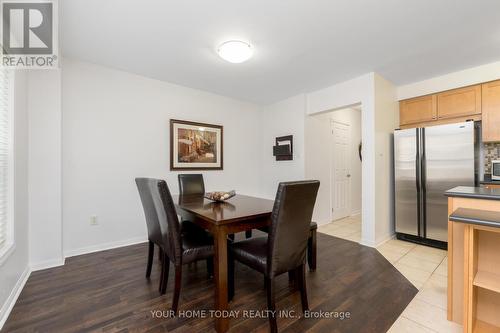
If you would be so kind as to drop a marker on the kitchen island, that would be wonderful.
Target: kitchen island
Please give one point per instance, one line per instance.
(474, 258)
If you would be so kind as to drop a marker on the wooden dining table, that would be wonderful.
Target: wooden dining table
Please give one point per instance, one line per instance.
(240, 213)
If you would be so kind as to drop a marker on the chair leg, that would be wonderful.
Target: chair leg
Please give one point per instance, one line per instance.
(210, 267)
(230, 277)
(150, 258)
(311, 251)
(248, 234)
(271, 305)
(160, 254)
(292, 277)
(177, 290)
(165, 269)
(301, 277)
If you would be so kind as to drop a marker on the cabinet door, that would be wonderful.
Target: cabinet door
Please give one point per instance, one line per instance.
(459, 102)
(491, 186)
(417, 110)
(491, 111)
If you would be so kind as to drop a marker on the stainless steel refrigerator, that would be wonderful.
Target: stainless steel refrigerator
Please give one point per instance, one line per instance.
(427, 162)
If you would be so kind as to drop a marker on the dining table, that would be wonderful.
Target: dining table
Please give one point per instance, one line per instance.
(239, 213)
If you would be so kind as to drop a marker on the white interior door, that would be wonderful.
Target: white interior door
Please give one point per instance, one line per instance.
(340, 169)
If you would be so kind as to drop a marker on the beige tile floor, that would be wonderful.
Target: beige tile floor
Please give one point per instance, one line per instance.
(424, 267)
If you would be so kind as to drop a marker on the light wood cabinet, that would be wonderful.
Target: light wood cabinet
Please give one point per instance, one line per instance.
(474, 265)
(418, 110)
(491, 186)
(459, 102)
(491, 111)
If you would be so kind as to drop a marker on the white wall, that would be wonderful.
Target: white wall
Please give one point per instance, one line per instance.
(386, 120)
(280, 119)
(116, 128)
(14, 271)
(44, 104)
(353, 118)
(467, 77)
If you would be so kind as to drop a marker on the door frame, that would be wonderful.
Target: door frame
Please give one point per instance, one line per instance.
(332, 173)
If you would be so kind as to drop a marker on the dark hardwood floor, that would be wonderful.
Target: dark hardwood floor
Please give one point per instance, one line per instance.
(107, 292)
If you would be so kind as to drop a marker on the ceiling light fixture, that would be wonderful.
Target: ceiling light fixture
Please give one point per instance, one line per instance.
(235, 51)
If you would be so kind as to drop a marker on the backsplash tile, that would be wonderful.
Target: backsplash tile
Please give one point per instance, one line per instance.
(491, 152)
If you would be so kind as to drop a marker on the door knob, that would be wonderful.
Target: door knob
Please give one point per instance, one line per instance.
(348, 176)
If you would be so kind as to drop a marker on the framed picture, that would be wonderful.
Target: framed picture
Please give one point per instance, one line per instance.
(195, 146)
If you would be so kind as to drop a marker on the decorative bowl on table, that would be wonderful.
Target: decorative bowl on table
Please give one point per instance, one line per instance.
(220, 196)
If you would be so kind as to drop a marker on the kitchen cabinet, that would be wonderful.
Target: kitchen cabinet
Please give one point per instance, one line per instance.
(491, 186)
(473, 261)
(418, 110)
(491, 111)
(459, 102)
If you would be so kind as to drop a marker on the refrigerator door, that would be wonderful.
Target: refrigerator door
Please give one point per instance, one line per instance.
(407, 184)
(447, 161)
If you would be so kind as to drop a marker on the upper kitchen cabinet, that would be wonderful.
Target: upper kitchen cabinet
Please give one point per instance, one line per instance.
(418, 110)
(459, 102)
(491, 111)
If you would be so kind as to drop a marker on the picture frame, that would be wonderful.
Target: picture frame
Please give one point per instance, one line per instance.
(196, 146)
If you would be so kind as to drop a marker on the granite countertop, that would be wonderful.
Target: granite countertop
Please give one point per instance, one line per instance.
(474, 192)
(487, 180)
(475, 216)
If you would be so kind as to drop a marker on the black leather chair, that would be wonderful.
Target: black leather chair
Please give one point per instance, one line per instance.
(311, 245)
(179, 248)
(284, 249)
(152, 224)
(193, 184)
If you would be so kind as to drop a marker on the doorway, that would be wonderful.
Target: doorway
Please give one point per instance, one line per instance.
(333, 156)
(340, 170)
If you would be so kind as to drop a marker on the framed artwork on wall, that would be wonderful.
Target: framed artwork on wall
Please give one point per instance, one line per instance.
(195, 146)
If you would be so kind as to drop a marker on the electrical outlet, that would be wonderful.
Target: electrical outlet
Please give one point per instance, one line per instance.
(93, 220)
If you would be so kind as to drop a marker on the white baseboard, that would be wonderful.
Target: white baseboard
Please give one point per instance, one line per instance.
(11, 300)
(322, 222)
(376, 243)
(105, 246)
(356, 213)
(36, 266)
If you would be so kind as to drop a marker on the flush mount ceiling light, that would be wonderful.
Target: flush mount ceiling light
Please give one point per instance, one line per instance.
(235, 51)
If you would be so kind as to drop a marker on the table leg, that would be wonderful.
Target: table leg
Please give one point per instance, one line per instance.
(220, 275)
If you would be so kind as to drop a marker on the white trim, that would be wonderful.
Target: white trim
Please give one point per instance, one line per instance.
(10, 241)
(356, 212)
(46, 264)
(376, 244)
(105, 246)
(6, 251)
(11, 300)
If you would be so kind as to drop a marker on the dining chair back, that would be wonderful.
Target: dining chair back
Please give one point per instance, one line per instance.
(191, 184)
(167, 219)
(152, 224)
(290, 225)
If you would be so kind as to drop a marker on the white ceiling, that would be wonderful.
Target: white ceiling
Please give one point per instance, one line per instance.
(300, 45)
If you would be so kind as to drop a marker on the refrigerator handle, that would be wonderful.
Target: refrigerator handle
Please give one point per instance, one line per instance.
(418, 178)
(417, 161)
(423, 182)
